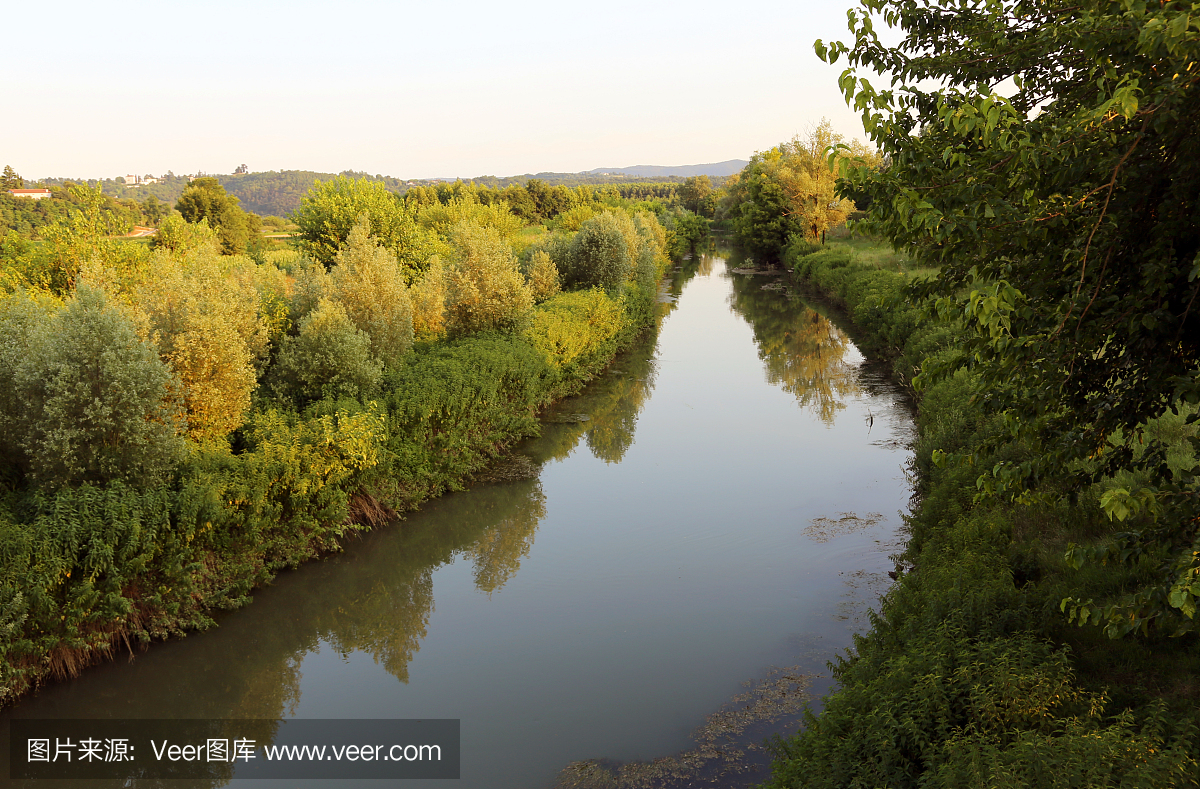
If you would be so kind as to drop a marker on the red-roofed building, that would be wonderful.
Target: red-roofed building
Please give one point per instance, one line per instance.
(33, 194)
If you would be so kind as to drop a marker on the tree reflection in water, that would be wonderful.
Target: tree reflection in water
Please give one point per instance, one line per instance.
(802, 350)
(498, 552)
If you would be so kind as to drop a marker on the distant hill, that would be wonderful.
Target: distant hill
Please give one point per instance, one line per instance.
(684, 170)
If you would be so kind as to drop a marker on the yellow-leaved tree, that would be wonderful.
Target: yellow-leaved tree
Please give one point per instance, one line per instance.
(485, 289)
(429, 302)
(809, 183)
(368, 283)
(208, 327)
(542, 275)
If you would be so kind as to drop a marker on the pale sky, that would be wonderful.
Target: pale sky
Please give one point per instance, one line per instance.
(413, 90)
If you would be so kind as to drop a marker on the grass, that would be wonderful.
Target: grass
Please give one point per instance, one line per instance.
(876, 253)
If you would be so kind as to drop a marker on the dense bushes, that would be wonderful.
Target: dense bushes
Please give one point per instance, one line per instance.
(969, 675)
(186, 424)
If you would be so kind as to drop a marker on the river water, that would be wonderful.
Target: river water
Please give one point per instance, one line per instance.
(653, 586)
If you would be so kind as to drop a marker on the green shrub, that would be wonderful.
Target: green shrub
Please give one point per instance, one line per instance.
(454, 408)
(330, 358)
(574, 331)
(98, 403)
(599, 255)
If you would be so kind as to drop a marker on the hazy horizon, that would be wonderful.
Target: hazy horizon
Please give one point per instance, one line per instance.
(91, 176)
(411, 90)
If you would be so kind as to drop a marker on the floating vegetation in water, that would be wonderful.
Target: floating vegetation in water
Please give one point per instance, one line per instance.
(721, 745)
(566, 419)
(863, 590)
(509, 469)
(825, 529)
(752, 271)
(776, 285)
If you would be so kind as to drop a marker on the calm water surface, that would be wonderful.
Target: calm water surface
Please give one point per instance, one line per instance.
(723, 516)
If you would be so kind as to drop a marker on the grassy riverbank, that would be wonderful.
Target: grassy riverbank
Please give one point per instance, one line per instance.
(971, 674)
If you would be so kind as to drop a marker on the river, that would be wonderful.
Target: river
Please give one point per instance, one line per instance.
(652, 585)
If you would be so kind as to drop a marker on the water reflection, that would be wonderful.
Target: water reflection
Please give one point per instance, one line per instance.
(605, 415)
(496, 555)
(801, 349)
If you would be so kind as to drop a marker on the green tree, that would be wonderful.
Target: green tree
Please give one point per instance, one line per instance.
(330, 358)
(10, 179)
(153, 210)
(97, 401)
(695, 192)
(329, 211)
(205, 199)
(1063, 220)
(764, 218)
(599, 255)
(84, 235)
(183, 239)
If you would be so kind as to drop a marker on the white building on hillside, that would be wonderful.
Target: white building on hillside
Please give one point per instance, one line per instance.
(32, 194)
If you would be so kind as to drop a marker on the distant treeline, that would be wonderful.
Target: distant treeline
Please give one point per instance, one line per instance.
(279, 193)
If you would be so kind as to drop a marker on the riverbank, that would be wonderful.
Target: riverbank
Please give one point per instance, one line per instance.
(970, 672)
(94, 570)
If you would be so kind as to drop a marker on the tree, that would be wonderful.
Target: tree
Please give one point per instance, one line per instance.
(791, 190)
(96, 401)
(329, 211)
(153, 210)
(428, 295)
(330, 358)
(207, 327)
(542, 277)
(205, 199)
(85, 235)
(764, 220)
(186, 240)
(599, 255)
(367, 281)
(10, 179)
(485, 289)
(1064, 222)
(809, 181)
(694, 193)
